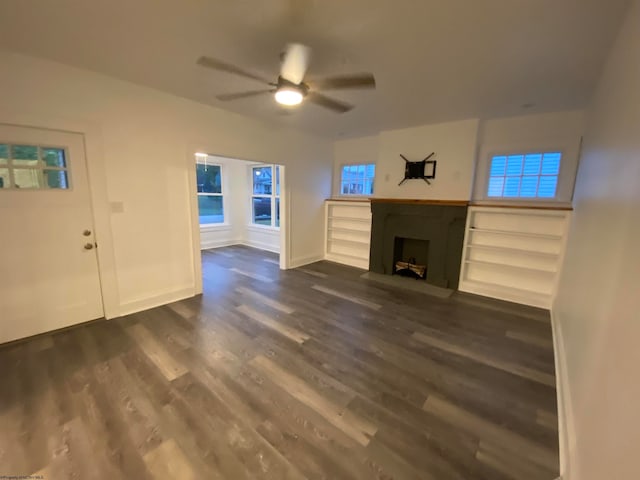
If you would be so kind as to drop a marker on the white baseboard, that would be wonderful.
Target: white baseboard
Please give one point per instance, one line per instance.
(301, 261)
(156, 300)
(505, 293)
(347, 260)
(260, 246)
(566, 426)
(207, 244)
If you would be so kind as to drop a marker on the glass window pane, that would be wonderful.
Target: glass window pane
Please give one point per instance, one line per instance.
(27, 178)
(262, 181)
(261, 210)
(511, 186)
(4, 178)
(496, 185)
(368, 187)
(208, 178)
(514, 165)
(277, 212)
(210, 209)
(277, 180)
(529, 186)
(4, 154)
(54, 157)
(551, 163)
(532, 164)
(56, 179)
(498, 165)
(24, 155)
(547, 187)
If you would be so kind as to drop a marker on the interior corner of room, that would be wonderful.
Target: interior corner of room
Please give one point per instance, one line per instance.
(332, 258)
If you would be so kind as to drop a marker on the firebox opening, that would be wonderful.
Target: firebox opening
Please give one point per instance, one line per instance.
(410, 257)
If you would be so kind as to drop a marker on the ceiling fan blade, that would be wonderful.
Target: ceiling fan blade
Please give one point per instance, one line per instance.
(295, 62)
(330, 103)
(236, 96)
(361, 80)
(228, 68)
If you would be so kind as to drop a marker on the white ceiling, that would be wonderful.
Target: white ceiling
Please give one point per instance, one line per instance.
(434, 60)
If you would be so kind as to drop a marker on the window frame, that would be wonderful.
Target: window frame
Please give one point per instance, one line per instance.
(276, 186)
(358, 195)
(203, 161)
(481, 193)
(41, 167)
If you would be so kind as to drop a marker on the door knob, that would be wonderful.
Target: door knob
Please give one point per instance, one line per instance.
(88, 246)
(86, 233)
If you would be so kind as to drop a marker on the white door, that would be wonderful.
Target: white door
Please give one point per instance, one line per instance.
(48, 265)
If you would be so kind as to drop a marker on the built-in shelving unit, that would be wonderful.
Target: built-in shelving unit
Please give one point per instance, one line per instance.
(348, 232)
(514, 254)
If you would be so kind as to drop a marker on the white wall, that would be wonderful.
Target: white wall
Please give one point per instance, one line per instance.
(453, 142)
(141, 150)
(561, 131)
(597, 311)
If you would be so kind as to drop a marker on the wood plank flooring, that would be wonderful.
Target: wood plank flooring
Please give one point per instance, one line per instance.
(309, 373)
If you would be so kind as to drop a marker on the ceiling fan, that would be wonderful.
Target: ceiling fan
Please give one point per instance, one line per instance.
(291, 87)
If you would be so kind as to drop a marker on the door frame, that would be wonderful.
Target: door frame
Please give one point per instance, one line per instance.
(196, 254)
(97, 184)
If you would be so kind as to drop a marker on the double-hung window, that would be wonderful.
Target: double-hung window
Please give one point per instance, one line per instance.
(357, 179)
(210, 195)
(265, 195)
(524, 175)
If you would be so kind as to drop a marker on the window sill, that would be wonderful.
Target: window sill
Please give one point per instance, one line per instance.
(209, 227)
(263, 227)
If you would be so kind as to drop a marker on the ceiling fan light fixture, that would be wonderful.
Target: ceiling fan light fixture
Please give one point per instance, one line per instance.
(289, 96)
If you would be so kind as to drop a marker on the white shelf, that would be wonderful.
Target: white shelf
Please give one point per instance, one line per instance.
(507, 265)
(520, 254)
(350, 219)
(513, 250)
(518, 234)
(349, 230)
(350, 242)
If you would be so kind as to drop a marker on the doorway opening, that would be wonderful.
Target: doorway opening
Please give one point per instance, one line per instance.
(241, 203)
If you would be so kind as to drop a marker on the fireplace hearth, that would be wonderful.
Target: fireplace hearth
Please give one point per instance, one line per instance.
(423, 233)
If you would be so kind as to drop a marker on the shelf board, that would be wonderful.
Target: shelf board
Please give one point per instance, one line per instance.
(348, 230)
(514, 250)
(522, 293)
(351, 219)
(349, 242)
(506, 265)
(346, 255)
(517, 234)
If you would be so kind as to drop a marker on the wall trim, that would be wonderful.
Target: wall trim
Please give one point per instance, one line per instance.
(566, 425)
(157, 300)
(301, 261)
(261, 246)
(207, 244)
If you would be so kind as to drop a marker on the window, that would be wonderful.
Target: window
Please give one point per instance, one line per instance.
(265, 197)
(357, 179)
(210, 201)
(530, 175)
(33, 167)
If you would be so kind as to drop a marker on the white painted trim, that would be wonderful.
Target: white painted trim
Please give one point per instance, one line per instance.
(157, 300)
(566, 425)
(206, 245)
(347, 260)
(505, 293)
(301, 261)
(261, 246)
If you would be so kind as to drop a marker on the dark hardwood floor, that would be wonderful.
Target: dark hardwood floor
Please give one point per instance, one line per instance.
(307, 373)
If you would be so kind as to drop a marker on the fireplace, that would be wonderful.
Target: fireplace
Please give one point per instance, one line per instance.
(430, 232)
(410, 257)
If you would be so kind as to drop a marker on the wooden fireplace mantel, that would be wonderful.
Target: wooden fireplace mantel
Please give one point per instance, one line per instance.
(419, 201)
